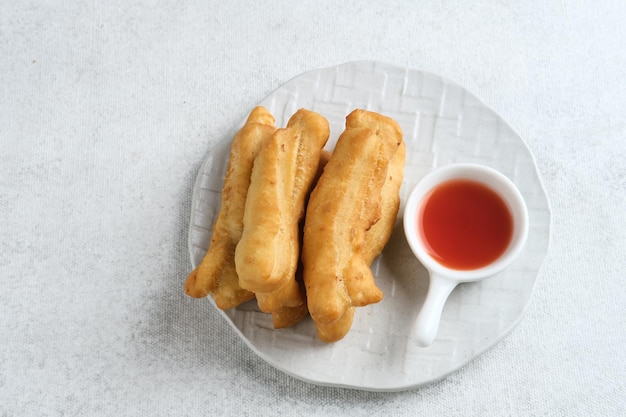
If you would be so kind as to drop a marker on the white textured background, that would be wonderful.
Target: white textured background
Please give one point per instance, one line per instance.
(107, 110)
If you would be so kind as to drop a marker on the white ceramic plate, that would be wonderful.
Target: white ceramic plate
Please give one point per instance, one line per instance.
(442, 123)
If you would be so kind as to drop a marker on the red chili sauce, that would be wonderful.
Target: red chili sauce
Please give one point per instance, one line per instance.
(464, 224)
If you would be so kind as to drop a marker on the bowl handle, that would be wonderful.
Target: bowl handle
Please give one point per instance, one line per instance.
(427, 323)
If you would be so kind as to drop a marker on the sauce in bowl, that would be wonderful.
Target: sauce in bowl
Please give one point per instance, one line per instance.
(464, 224)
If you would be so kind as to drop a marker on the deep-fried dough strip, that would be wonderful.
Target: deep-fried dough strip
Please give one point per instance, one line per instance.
(267, 255)
(216, 274)
(344, 205)
(286, 316)
(375, 239)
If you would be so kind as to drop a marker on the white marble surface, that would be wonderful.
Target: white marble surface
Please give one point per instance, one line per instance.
(107, 110)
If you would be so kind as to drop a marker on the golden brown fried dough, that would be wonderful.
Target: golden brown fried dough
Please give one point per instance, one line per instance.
(375, 240)
(286, 316)
(336, 330)
(349, 219)
(216, 275)
(266, 257)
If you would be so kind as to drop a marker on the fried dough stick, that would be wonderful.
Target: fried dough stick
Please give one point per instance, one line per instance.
(266, 257)
(375, 238)
(216, 275)
(288, 316)
(340, 240)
